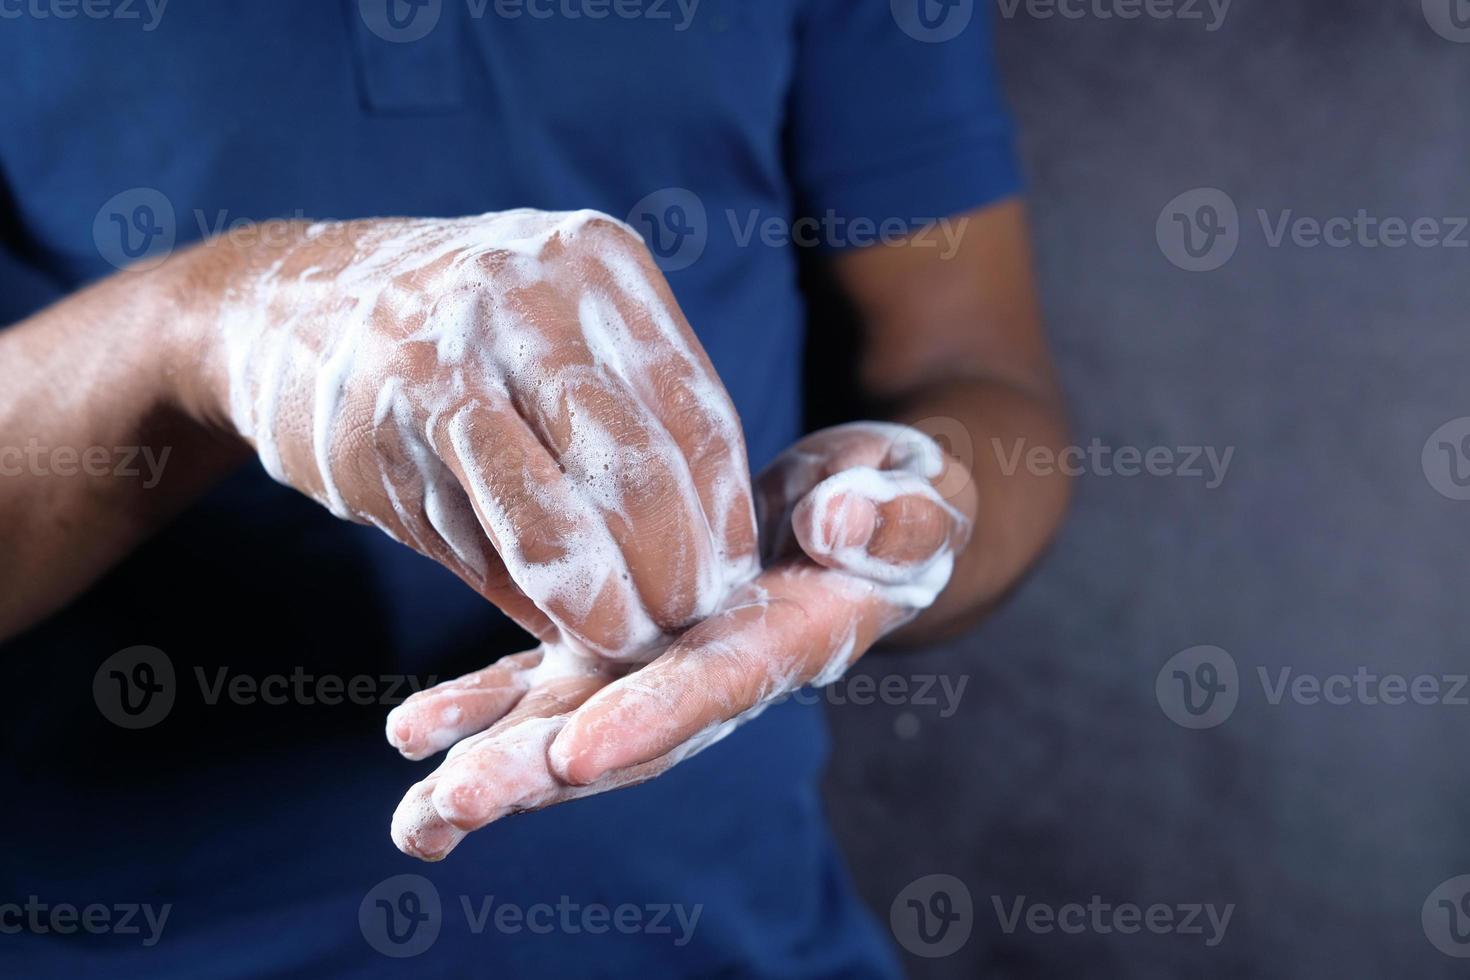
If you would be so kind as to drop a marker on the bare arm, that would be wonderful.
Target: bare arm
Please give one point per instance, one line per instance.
(867, 529)
(95, 451)
(958, 339)
(514, 395)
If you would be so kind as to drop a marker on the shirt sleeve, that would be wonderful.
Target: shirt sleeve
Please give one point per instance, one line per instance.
(897, 113)
(24, 288)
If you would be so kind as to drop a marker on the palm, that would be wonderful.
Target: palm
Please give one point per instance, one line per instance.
(549, 725)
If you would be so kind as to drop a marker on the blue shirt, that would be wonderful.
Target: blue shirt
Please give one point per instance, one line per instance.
(261, 828)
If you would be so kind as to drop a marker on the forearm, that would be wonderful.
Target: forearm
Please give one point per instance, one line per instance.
(1016, 509)
(94, 451)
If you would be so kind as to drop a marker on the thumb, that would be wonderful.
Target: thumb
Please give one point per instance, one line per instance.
(888, 526)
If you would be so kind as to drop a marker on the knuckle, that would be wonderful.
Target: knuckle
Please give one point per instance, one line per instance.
(692, 424)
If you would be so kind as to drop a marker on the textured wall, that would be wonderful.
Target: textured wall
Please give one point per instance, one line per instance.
(1326, 548)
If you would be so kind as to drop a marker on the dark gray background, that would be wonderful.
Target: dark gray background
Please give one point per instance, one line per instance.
(1325, 549)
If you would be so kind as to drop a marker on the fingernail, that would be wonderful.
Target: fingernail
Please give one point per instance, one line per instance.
(399, 730)
(418, 831)
(463, 803)
(853, 521)
(572, 763)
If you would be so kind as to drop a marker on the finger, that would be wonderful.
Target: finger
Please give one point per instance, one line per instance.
(888, 526)
(820, 455)
(432, 720)
(793, 625)
(686, 393)
(422, 503)
(418, 830)
(576, 393)
(505, 770)
(593, 400)
(556, 548)
(779, 486)
(616, 455)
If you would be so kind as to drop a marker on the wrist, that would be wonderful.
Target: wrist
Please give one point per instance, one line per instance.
(196, 287)
(176, 317)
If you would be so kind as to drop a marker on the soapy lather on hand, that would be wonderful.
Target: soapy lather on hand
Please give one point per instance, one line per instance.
(857, 542)
(518, 397)
(515, 395)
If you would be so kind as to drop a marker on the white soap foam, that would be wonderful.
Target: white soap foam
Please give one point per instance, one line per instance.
(299, 342)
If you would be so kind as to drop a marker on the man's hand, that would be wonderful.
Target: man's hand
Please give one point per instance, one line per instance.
(858, 536)
(516, 396)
